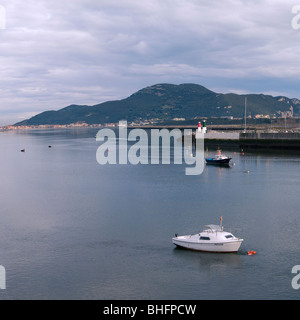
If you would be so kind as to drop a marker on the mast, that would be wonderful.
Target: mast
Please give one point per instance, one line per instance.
(245, 113)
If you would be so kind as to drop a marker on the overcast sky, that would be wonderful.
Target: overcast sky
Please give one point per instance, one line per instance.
(56, 53)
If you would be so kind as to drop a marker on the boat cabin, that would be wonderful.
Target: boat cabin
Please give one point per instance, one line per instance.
(213, 232)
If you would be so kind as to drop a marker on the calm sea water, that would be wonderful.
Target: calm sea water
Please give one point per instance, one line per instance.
(73, 229)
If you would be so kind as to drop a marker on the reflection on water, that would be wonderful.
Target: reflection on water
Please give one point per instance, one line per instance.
(207, 260)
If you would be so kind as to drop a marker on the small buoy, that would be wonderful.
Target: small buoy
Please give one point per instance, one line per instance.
(251, 252)
(49, 146)
(247, 171)
(23, 150)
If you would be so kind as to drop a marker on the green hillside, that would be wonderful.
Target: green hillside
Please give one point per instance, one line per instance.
(165, 102)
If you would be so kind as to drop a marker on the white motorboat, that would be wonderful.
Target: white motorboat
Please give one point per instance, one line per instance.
(212, 239)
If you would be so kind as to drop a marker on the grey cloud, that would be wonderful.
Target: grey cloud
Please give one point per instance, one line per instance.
(55, 53)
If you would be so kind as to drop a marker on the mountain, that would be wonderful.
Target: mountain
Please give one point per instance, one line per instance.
(165, 102)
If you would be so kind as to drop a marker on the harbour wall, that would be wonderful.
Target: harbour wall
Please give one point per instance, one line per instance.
(254, 140)
(270, 140)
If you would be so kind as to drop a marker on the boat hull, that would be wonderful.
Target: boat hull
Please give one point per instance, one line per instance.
(225, 247)
(217, 161)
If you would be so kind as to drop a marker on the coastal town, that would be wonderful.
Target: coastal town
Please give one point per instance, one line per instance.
(284, 122)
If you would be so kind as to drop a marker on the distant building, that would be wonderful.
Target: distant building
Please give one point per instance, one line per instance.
(262, 116)
(178, 119)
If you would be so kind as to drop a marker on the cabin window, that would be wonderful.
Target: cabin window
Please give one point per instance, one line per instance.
(229, 236)
(204, 238)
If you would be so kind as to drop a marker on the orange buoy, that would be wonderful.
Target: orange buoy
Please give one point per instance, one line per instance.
(251, 252)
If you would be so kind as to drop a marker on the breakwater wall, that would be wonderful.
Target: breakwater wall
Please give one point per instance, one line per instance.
(270, 140)
(254, 140)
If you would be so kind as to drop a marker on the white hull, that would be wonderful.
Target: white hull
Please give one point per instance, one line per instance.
(212, 239)
(184, 242)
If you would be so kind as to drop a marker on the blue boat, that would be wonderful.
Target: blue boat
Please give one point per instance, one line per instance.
(218, 159)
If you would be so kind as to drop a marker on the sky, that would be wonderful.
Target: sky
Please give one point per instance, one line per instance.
(57, 53)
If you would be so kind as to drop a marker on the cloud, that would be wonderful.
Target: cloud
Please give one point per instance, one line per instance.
(55, 53)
